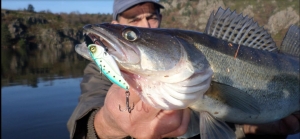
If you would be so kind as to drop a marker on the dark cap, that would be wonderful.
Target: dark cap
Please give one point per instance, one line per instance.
(122, 5)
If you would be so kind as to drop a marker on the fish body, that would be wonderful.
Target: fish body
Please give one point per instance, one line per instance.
(271, 78)
(240, 78)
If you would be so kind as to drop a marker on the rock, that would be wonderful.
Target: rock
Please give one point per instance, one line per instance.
(16, 29)
(282, 19)
(51, 38)
(4, 13)
(36, 20)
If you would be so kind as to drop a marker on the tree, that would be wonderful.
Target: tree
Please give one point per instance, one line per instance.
(30, 8)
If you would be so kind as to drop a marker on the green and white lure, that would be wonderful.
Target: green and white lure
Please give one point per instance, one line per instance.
(107, 65)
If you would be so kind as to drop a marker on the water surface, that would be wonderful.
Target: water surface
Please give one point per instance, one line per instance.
(39, 112)
(39, 92)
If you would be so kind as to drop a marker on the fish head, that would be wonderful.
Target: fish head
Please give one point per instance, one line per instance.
(137, 49)
(154, 61)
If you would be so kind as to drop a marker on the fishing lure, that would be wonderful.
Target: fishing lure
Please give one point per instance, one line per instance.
(108, 66)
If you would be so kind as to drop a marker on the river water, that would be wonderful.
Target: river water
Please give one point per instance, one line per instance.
(39, 91)
(39, 112)
(38, 98)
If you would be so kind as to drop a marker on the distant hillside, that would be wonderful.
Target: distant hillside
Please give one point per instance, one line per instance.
(45, 29)
(42, 43)
(275, 15)
(62, 31)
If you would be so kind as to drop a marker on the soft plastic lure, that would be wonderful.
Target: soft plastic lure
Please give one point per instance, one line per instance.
(107, 65)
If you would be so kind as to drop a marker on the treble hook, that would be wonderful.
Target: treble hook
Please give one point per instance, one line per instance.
(128, 108)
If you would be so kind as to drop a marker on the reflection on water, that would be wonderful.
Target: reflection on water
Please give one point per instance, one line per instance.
(40, 90)
(41, 112)
(24, 68)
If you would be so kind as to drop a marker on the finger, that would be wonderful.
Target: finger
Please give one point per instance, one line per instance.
(287, 125)
(181, 130)
(116, 97)
(134, 95)
(142, 107)
(250, 129)
(144, 111)
(297, 114)
(290, 124)
(167, 121)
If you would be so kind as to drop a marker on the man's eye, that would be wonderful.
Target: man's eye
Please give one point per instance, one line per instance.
(152, 18)
(134, 20)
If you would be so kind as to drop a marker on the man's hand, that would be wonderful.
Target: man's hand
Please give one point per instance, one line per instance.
(285, 126)
(144, 121)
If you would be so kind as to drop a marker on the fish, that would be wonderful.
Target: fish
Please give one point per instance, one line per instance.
(232, 72)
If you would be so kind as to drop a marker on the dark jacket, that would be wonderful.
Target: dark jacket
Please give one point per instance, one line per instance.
(94, 87)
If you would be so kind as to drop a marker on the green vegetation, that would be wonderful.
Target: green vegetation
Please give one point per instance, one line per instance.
(5, 36)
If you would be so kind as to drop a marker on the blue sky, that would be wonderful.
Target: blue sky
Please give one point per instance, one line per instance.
(57, 6)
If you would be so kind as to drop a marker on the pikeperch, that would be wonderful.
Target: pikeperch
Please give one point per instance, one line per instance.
(233, 72)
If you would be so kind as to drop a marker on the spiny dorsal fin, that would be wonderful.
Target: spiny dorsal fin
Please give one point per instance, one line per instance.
(291, 42)
(236, 28)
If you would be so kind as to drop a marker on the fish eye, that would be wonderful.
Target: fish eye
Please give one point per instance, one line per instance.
(130, 34)
(93, 49)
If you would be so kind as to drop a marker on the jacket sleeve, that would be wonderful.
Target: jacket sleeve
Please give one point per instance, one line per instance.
(94, 87)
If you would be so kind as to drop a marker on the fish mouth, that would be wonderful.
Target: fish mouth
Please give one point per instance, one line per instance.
(95, 34)
(93, 38)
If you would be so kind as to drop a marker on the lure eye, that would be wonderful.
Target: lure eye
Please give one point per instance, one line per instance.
(93, 49)
(130, 34)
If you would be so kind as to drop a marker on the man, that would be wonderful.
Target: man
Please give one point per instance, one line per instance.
(144, 121)
(97, 114)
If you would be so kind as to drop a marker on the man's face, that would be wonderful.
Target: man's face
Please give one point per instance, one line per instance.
(145, 15)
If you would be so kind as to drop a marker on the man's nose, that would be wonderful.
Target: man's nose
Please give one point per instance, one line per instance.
(144, 23)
